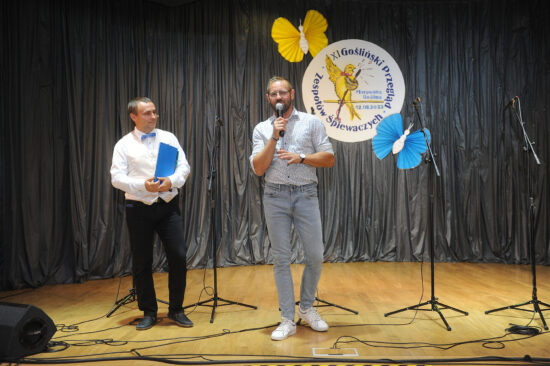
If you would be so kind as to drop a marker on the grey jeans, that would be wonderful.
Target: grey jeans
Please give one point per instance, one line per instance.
(285, 205)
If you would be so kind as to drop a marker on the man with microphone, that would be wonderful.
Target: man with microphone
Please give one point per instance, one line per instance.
(287, 147)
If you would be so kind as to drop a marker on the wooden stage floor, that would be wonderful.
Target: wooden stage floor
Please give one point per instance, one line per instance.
(242, 335)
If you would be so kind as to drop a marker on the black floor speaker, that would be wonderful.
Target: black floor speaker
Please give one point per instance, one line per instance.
(24, 330)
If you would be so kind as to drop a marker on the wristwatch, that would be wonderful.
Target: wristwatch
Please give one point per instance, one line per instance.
(303, 156)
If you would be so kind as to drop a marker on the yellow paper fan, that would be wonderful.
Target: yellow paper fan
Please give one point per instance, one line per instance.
(295, 43)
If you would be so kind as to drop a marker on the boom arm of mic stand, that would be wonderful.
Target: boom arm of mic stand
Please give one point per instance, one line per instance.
(417, 107)
(528, 142)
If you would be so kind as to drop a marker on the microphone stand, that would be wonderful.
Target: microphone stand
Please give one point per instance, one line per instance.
(320, 303)
(211, 177)
(434, 304)
(131, 297)
(531, 237)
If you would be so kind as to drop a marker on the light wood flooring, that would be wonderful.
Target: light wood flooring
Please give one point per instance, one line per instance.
(241, 334)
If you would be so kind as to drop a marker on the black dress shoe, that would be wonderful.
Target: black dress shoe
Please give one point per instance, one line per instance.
(181, 319)
(146, 323)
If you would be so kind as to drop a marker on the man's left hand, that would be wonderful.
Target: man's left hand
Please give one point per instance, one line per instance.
(165, 184)
(292, 158)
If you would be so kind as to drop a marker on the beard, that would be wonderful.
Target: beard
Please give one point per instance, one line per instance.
(286, 106)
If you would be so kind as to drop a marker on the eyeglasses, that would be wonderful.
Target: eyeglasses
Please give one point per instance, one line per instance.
(282, 93)
(151, 114)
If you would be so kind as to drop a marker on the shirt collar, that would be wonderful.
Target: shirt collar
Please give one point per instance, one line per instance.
(292, 116)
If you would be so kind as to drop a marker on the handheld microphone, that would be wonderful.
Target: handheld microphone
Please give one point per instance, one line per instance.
(279, 109)
(510, 103)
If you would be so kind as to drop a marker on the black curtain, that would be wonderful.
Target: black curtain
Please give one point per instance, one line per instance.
(70, 67)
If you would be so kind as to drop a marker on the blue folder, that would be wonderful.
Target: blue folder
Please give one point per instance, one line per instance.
(166, 160)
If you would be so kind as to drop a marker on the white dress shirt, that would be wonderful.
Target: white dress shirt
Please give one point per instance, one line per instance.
(135, 160)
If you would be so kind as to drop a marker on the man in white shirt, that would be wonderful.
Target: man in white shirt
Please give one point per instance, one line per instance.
(152, 206)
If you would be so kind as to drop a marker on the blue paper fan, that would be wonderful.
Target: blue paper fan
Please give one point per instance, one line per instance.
(390, 137)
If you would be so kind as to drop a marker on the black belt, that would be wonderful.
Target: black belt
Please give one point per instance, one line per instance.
(159, 201)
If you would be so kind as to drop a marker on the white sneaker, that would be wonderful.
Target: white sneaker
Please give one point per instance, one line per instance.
(312, 317)
(284, 330)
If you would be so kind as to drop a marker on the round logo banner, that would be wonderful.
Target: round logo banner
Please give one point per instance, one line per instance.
(352, 85)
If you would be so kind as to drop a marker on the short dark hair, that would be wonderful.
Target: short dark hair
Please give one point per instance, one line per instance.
(278, 78)
(133, 104)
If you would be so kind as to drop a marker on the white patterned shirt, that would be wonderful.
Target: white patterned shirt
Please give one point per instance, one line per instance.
(305, 133)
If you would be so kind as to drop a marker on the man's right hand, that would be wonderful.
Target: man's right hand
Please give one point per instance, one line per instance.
(279, 125)
(151, 185)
